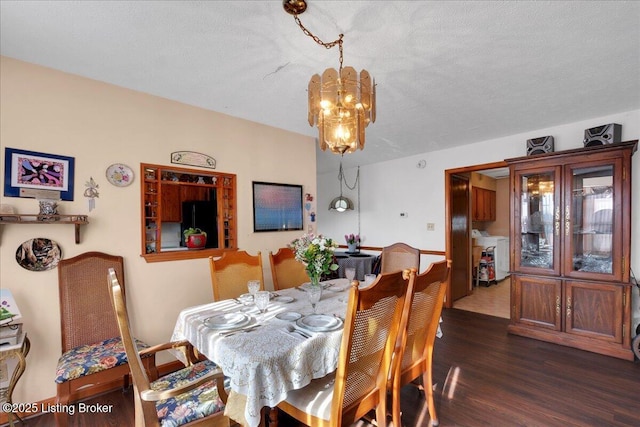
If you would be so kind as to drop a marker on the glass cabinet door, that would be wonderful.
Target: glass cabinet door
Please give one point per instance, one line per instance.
(590, 219)
(537, 219)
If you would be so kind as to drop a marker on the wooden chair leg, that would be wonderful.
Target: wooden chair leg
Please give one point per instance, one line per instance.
(427, 379)
(62, 398)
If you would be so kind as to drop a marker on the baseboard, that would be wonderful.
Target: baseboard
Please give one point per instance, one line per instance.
(89, 392)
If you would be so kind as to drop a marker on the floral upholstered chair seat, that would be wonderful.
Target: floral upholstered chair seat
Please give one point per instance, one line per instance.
(91, 358)
(197, 403)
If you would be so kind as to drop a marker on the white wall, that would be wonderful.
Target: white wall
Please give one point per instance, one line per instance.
(388, 188)
(99, 124)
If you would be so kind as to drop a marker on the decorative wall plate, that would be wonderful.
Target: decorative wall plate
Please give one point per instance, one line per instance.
(38, 254)
(119, 175)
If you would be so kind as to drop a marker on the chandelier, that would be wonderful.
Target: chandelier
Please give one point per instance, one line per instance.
(341, 103)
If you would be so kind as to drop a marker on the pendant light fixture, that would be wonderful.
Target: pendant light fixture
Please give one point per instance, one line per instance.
(341, 203)
(342, 103)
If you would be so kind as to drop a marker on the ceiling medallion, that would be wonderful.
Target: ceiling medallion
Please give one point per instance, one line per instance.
(342, 102)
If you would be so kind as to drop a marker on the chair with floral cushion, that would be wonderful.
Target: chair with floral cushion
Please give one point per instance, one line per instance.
(360, 383)
(194, 395)
(92, 351)
(285, 270)
(231, 272)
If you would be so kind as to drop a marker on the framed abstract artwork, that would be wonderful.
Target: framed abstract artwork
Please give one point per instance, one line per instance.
(37, 171)
(277, 207)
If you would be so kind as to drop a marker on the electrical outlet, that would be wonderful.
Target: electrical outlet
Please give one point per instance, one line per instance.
(431, 226)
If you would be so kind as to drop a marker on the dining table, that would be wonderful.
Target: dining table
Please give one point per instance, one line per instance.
(265, 355)
(362, 262)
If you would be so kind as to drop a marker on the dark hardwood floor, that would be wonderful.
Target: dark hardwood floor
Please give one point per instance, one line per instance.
(485, 377)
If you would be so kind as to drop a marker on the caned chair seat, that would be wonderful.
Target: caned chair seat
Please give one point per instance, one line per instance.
(91, 358)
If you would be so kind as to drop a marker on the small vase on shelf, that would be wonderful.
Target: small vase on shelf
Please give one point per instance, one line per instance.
(352, 247)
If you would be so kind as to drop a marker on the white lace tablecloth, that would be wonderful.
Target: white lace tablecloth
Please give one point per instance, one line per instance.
(267, 362)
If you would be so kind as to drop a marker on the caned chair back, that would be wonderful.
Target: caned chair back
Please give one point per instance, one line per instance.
(415, 343)
(86, 315)
(285, 270)
(231, 272)
(398, 257)
(371, 326)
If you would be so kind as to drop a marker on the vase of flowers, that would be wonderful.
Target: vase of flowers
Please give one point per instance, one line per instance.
(353, 241)
(316, 254)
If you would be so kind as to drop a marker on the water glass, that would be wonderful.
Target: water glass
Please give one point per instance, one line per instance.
(314, 293)
(350, 273)
(261, 299)
(253, 286)
(369, 279)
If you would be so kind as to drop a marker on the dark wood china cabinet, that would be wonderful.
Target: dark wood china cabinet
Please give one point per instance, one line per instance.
(571, 248)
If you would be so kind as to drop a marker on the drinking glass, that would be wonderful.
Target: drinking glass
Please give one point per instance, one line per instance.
(314, 293)
(350, 273)
(261, 299)
(253, 286)
(369, 279)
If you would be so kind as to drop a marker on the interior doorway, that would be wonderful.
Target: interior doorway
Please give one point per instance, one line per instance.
(458, 224)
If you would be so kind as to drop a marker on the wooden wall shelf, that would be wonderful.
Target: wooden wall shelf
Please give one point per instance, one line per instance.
(76, 220)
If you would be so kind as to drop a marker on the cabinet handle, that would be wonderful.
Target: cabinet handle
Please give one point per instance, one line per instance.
(557, 222)
(558, 305)
(567, 220)
(568, 306)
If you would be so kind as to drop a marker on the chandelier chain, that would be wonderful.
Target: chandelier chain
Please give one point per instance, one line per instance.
(342, 178)
(327, 45)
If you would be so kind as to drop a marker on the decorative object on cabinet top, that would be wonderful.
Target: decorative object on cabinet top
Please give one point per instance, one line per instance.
(119, 175)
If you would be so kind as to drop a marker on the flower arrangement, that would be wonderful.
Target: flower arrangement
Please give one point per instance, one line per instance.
(352, 239)
(316, 254)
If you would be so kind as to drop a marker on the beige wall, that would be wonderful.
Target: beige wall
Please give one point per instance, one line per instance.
(100, 124)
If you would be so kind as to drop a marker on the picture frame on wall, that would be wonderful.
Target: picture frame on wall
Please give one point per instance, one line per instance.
(277, 207)
(37, 171)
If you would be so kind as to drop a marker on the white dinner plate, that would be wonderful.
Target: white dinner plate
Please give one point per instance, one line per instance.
(283, 299)
(319, 323)
(227, 321)
(289, 316)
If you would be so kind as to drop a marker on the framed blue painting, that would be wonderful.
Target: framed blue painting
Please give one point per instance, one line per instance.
(37, 171)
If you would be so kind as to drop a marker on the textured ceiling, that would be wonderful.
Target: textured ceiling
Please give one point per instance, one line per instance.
(448, 72)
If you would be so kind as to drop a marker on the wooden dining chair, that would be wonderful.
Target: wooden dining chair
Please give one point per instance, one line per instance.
(398, 257)
(360, 383)
(194, 395)
(231, 272)
(285, 270)
(421, 318)
(92, 351)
